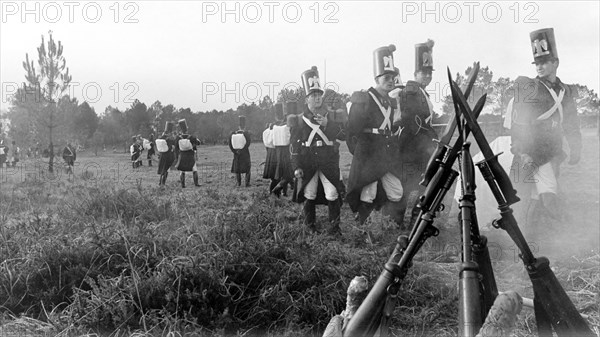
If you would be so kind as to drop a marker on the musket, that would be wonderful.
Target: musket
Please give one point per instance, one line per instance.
(553, 308)
(367, 318)
(443, 144)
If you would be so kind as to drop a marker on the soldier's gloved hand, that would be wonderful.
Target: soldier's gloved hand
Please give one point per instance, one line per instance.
(574, 158)
(298, 173)
(322, 120)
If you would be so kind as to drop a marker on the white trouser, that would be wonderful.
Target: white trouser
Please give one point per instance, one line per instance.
(391, 185)
(310, 190)
(544, 181)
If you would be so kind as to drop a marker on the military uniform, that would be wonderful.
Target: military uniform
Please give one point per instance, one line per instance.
(166, 154)
(416, 138)
(186, 161)
(136, 151)
(277, 165)
(241, 154)
(315, 158)
(69, 155)
(373, 141)
(540, 114)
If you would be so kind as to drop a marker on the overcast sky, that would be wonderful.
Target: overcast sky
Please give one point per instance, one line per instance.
(210, 55)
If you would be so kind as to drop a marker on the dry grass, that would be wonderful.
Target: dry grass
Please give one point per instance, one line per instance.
(106, 252)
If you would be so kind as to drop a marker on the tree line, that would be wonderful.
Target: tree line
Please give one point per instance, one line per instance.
(42, 111)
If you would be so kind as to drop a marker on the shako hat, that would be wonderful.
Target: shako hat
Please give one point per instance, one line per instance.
(383, 61)
(168, 127)
(278, 111)
(183, 125)
(543, 45)
(311, 81)
(423, 56)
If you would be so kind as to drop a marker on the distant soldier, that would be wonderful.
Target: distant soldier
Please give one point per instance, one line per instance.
(149, 145)
(69, 155)
(135, 150)
(417, 135)
(315, 157)
(281, 173)
(376, 171)
(239, 142)
(3, 153)
(186, 161)
(165, 145)
(15, 154)
(542, 112)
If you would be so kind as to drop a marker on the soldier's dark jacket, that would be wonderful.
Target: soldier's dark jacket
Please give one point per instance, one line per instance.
(373, 154)
(541, 138)
(416, 138)
(316, 155)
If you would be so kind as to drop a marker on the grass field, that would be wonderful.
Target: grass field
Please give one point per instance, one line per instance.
(106, 251)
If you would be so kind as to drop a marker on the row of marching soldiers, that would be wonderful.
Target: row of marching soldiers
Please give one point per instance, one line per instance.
(389, 133)
(305, 146)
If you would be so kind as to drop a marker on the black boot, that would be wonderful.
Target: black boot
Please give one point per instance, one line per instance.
(247, 179)
(272, 185)
(334, 217)
(182, 178)
(280, 186)
(364, 210)
(310, 215)
(149, 162)
(285, 188)
(165, 175)
(238, 178)
(195, 175)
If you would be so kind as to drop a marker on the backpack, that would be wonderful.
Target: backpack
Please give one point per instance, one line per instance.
(185, 144)
(238, 141)
(162, 146)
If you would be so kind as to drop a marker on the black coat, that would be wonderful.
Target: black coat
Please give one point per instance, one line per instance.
(313, 158)
(241, 158)
(542, 139)
(374, 155)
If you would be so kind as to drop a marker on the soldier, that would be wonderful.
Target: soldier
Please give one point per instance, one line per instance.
(165, 145)
(277, 165)
(187, 154)
(417, 135)
(69, 155)
(15, 154)
(541, 113)
(239, 142)
(135, 151)
(281, 141)
(3, 153)
(151, 149)
(315, 158)
(376, 169)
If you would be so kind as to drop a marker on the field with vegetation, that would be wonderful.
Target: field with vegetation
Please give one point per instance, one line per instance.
(106, 252)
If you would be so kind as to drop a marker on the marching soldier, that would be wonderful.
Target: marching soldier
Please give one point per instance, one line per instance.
(417, 135)
(239, 142)
(69, 155)
(376, 169)
(541, 113)
(151, 149)
(165, 145)
(3, 153)
(315, 158)
(277, 166)
(136, 151)
(186, 161)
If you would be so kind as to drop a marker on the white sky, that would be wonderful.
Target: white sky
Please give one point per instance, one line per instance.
(187, 54)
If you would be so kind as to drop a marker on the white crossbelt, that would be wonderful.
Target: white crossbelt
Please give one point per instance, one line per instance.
(386, 114)
(557, 104)
(315, 130)
(429, 104)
